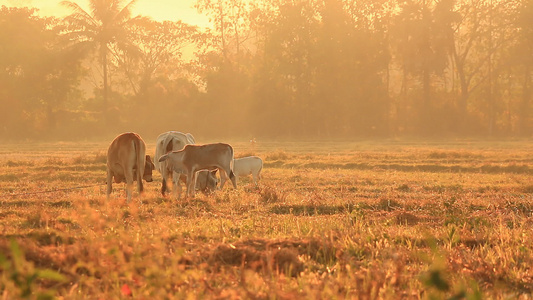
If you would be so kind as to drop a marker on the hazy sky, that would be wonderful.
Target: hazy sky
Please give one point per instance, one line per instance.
(159, 10)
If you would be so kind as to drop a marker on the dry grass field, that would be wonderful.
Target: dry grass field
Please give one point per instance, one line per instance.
(358, 220)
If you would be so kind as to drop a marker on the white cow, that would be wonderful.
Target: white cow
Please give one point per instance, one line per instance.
(248, 165)
(193, 158)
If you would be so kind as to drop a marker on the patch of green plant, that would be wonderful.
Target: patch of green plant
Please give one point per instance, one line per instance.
(20, 279)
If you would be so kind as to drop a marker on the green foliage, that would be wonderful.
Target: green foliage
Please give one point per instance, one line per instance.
(439, 284)
(21, 279)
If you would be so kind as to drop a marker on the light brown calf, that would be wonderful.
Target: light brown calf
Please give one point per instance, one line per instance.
(127, 162)
(193, 158)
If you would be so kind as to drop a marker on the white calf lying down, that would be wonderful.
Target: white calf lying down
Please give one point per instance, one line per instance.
(248, 165)
(193, 158)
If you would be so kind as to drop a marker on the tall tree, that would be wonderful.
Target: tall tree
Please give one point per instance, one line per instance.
(160, 44)
(30, 56)
(525, 54)
(223, 63)
(284, 82)
(351, 67)
(230, 19)
(100, 27)
(422, 34)
(467, 34)
(498, 36)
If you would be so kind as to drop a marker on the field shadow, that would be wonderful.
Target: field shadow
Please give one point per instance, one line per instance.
(61, 204)
(280, 256)
(431, 168)
(43, 238)
(305, 210)
(194, 203)
(429, 243)
(16, 203)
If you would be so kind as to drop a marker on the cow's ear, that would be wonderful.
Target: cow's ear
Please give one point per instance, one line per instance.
(163, 157)
(214, 172)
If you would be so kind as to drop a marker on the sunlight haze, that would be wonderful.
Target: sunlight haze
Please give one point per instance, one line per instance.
(159, 10)
(304, 69)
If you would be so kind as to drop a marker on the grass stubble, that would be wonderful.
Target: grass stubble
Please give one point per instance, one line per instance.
(381, 220)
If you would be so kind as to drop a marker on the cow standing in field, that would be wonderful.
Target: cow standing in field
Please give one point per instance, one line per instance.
(127, 162)
(168, 142)
(194, 158)
(174, 141)
(248, 165)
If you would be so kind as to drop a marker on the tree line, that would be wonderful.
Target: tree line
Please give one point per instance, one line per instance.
(292, 69)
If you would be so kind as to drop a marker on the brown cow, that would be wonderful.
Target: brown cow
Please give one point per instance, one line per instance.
(127, 162)
(193, 158)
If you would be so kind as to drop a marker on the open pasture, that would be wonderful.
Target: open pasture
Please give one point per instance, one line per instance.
(357, 220)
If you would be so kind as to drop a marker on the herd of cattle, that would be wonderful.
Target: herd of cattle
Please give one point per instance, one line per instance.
(177, 158)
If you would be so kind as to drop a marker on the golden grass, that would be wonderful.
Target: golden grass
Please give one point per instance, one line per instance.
(372, 220)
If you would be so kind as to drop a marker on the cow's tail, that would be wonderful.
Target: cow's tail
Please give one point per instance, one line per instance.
(163, 164)
(167, 143)
(231, 165)
(232, 162)
(140, 164)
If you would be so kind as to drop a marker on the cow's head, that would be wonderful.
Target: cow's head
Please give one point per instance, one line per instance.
(148, 168)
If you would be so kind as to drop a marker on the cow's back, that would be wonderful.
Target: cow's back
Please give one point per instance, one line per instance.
(124, 150)
(247, 165)
(126, 162)
(209, 154)
(170, 141)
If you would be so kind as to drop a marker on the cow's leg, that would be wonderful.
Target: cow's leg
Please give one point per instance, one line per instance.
(223, 177)
(191, 184)
(167, 177)
(129, 184)
(176, 186)
(233, 179)
(109, 183)
(254, 177)
(188, 183)
(164, 181)
(163, 187)
(140, 187)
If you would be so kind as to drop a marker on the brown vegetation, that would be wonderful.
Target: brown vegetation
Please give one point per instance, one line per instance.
(368, 220)
(371, 229)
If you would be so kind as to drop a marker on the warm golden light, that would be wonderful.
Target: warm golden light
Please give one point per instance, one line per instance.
(159, 10)
(267, 68)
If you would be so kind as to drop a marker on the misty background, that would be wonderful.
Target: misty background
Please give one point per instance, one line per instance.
(271, 69)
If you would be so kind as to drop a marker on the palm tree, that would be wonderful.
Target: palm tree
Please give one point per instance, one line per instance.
(99, 29)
